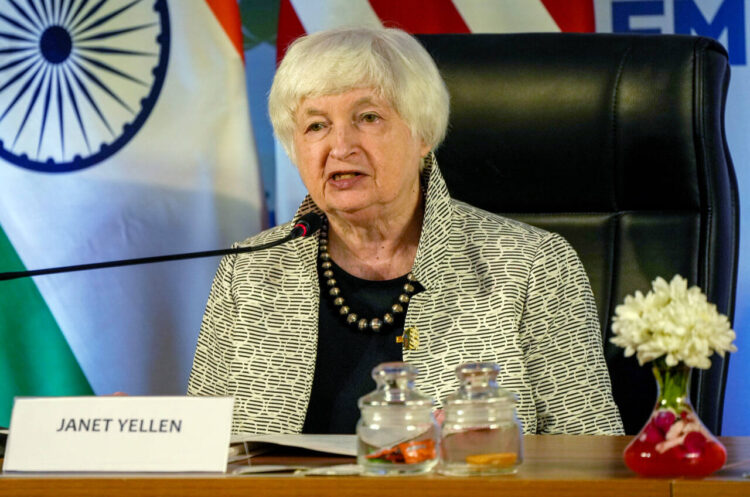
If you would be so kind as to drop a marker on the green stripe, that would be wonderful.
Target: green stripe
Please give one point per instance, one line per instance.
(35, 358)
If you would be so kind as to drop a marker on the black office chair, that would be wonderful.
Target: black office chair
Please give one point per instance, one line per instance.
(617, 143)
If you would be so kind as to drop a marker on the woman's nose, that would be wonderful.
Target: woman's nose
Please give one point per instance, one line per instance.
(344, 141)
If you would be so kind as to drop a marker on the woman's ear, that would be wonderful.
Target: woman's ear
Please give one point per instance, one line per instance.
(424, 149)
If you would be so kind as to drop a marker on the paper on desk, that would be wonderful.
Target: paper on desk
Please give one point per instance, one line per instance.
(239, 452)
(345, 445)
(337, 470)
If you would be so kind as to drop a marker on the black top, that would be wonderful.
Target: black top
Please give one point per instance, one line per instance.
(346, 356)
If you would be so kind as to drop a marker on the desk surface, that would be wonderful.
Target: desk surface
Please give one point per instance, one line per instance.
(554, 465)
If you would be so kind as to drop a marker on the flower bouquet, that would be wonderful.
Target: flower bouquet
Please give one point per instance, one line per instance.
(677, 328)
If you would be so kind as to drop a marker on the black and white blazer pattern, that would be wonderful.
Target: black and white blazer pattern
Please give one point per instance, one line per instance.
(495, 290)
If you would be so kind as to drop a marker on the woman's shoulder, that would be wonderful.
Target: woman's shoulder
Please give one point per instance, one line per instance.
(484, 229)
(471, 218)
(266, 236)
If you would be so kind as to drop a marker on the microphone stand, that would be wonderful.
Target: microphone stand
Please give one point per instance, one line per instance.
(306, 226)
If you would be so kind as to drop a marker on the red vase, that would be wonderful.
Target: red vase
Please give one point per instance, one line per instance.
(674, 442)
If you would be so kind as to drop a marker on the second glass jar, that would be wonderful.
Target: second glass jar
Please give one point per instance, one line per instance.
(481, 434)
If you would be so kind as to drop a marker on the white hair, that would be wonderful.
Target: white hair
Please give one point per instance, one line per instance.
(388, 60)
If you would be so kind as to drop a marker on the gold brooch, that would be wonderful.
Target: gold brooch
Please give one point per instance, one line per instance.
(410, 338)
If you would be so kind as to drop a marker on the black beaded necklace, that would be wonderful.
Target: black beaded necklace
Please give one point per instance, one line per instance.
(334, 292)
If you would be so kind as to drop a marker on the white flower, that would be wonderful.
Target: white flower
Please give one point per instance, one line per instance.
(673, 321)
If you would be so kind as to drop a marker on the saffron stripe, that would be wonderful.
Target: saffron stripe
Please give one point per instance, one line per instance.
(228, 15)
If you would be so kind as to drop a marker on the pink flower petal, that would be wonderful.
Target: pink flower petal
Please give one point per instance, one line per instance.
(653, 434)
(695, 442)
(664, 420)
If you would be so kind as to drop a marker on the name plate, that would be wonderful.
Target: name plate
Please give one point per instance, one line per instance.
(144, 434)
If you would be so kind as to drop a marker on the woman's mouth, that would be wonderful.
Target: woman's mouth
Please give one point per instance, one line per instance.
(345, 180)
(340, 176)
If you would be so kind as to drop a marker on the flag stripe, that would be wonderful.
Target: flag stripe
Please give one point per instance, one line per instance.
(572, 16)
(336, 13)
(508, 16)
(35, 358)
(290, 28)
(228, 15)
(421, 16)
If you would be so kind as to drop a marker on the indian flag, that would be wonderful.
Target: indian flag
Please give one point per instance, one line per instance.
(124, 132)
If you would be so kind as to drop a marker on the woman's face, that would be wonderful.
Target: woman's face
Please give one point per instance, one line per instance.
(356, 156)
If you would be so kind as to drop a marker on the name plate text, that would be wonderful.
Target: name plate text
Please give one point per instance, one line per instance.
(119, 434)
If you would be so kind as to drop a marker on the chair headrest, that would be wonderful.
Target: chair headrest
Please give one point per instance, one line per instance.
(535, 114)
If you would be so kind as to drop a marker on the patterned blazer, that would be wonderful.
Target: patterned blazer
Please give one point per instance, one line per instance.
(495, 290)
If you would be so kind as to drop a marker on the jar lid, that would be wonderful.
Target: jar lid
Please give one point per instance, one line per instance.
(395, 386)
(479, 385)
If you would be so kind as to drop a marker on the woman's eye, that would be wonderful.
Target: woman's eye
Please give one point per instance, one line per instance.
(370, 117)
(315, 127)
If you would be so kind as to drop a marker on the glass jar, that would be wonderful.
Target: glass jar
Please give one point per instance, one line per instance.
(397, 433)
(481, 433)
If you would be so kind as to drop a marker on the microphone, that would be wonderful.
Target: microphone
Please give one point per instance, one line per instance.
(307, 225)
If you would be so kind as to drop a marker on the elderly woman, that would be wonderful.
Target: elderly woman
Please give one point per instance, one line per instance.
(400, 271)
